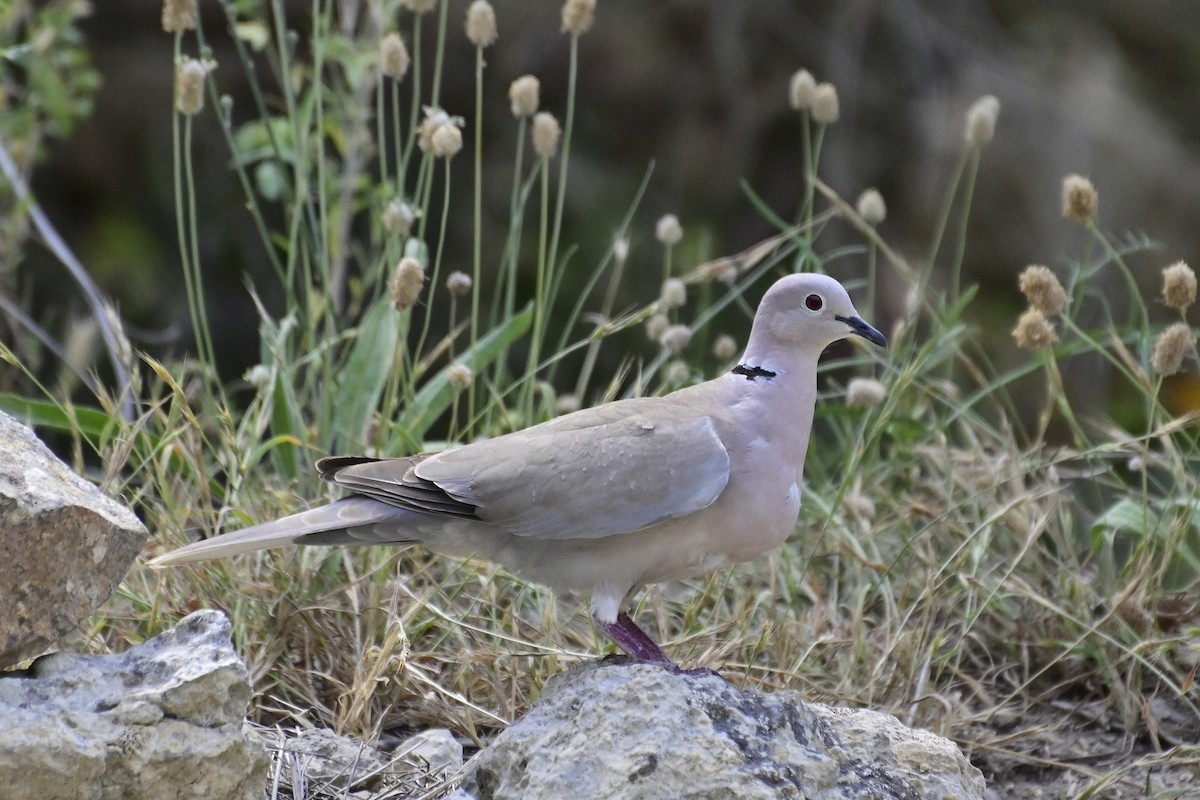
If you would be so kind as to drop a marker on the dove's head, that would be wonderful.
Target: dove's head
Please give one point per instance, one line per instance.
(807, 312)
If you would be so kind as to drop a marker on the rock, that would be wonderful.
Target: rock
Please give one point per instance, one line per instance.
(639, 731)
(64, 546)
(163, 719)
(433, 752)
(322, 761)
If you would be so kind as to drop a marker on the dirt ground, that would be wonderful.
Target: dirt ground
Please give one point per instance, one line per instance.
(1078, 752)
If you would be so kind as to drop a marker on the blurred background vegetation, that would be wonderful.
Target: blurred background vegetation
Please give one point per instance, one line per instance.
(1106, 89)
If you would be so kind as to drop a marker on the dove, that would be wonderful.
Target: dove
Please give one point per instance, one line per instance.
(606, 500)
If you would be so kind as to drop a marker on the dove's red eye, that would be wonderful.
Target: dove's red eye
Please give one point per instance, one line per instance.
(814, 302)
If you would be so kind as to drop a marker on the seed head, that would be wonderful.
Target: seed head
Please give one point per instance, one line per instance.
(859, 505)
(1034, 330)
(393, 56)
(871, 207)
(258, 376)
(676, 338)
(178, 15)
(1173, 344)
(459, 375)
(1043, 290)
(523, 94)
(725, 347)
(577, 16)
(458, 283)
(668, 230)
(407, 281)
(546, 133)
(434, 119)
(673, 294)
(802, 90)
(656, 326)
(398, 218)
(481, 23)
(825, 103)
(419, 6)
(567, 403)
(981, 120)
(446, 141)
(677, 371)
(864, 393)
(1179, 286)
(621, 250)
(189, 89)
(1080, 200)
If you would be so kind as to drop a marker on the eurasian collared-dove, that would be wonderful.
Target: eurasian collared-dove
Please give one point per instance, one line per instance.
(608, 499)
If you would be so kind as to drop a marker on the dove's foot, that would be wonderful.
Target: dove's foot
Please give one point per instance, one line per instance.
(636, 642)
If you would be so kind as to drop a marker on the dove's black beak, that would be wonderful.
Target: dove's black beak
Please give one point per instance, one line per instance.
(858, 326)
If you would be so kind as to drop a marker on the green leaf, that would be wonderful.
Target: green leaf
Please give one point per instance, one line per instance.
(91, 422)
(286, 426)
(366, 372)
(437, 393)
(1126, 515)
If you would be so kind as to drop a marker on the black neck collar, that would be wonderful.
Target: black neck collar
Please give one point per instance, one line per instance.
(752, 373)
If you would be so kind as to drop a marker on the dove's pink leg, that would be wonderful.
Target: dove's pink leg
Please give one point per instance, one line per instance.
(634, 641)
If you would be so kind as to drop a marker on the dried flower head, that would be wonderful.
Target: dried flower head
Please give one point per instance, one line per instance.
(668, 230)
(1042, 289)
(656, 326)
(1172, 346)
(1179, 286)
(446, 141)
(802, 89)
(546, 133)
(178, 15)
(567, 403)
(258, 376)
(398, 218)
(481, 23)
(859, 505)
(871, 207)
(189, 87)
(725, 347)
(1080, 200)
(825, 109)
(523, 95)
(621, 250)
(676, 338)
(1034, 330)
(393, 56)
(419, 6)
(864, 393)
(458, 283)
(677, 371)
(406, 284)
(981, 120)
(673, 294)
(434, 118)
(577, 16)
(459, 375)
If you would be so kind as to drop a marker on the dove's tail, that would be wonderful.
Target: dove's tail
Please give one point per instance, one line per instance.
(349, 521)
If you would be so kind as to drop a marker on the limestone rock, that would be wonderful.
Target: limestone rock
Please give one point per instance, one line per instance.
(64, 545)
(324, 763)
(638, 731)
(163, 719)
